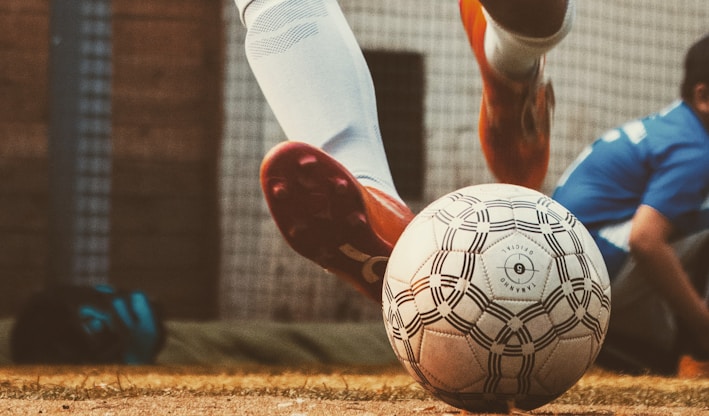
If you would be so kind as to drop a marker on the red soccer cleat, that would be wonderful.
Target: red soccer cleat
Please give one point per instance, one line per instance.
(328, 217)
(691, 368)
(515, 116)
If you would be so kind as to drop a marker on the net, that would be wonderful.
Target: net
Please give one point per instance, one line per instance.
(80, 142)
(621, 60)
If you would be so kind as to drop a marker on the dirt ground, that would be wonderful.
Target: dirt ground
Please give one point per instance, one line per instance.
(279, 406)
(178, 391)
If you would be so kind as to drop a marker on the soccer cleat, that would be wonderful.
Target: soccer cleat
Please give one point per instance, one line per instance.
(515, 116)
(327, 216)
(691, 368)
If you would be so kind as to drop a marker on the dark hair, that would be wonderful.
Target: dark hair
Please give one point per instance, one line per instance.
(696, 67)
(87, 325)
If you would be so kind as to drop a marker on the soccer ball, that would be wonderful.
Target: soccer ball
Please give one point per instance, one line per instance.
(496, 298)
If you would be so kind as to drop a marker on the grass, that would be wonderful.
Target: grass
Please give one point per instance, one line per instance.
(597, 388)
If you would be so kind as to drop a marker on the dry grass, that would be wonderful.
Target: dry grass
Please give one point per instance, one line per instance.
(598, 393)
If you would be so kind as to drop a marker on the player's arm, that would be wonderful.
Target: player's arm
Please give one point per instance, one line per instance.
(650, 246)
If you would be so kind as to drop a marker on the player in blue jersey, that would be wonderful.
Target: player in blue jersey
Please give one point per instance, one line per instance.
(642, 190)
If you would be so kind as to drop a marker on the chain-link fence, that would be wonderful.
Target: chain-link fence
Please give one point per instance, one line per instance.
(621, 60)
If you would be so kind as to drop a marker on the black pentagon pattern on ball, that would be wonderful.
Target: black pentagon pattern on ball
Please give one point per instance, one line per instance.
(576, 293)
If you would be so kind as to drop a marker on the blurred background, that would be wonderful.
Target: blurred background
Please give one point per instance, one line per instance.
(131, 134)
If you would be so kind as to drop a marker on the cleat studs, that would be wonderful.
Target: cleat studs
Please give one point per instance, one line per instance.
(307, 174)
(279, 190)
(341, 185)
(296, 231)
(357, 219)
(307, 161)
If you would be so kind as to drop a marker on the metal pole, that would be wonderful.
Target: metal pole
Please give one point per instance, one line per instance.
(80, 141)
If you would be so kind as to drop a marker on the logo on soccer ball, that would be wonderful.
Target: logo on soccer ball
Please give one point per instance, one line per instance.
(489, 291)
(519, 269)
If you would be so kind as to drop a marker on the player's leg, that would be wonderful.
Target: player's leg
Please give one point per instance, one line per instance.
(315, 79)
(644, 334)
(509, 40)
(329, 188)
(692, 251)
(642, 331)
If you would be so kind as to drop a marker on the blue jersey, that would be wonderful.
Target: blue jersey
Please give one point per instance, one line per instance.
(661, 160)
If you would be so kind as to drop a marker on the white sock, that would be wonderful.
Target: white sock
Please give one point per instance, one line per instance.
(313, 74)
(518, 56)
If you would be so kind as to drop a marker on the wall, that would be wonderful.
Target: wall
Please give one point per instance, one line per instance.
(24, 50)
(167, 66)
(166, 121)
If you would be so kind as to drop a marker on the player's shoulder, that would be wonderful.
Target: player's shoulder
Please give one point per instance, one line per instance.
(676, 130)
(679, 120)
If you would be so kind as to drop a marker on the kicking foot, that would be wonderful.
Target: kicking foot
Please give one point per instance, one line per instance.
(327, 216)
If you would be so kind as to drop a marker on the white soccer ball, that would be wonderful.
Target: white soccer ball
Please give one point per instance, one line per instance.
(496, 297)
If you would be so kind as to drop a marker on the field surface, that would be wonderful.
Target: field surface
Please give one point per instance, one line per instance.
(342, 391)
(265, 368)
